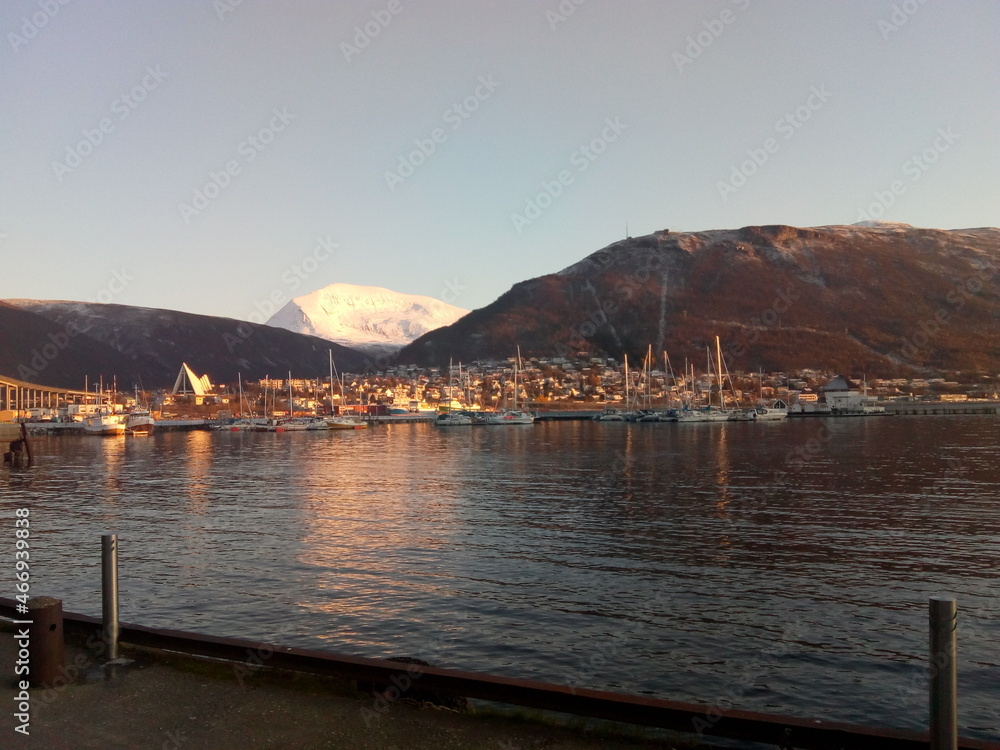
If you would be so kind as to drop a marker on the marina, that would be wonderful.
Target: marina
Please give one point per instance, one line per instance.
(644, 558)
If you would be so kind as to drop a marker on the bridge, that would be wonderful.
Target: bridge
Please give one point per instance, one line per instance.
(18, 395)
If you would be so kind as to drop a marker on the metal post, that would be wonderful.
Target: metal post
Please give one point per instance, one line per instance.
(109, 593)
(943, 683)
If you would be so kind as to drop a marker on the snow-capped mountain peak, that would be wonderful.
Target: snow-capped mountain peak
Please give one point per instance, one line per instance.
(368, 318)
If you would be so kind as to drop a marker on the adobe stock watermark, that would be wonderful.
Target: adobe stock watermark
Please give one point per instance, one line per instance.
(787, 126)
(450, 293)
(50, 351)
(366, 32)
(597, 319)
(455, 116)
(714, 28)
(31, 26)
(783, 301)
(581, 159)
(562, 12)
(901, 14)
(291, 279)
(122, 107)
(915, 168)
(223, 8)
(957, 298)
(757, 667)
(250, 148)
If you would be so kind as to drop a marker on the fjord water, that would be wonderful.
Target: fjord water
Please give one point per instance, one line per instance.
(778, 567)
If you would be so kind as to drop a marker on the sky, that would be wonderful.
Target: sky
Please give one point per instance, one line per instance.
(223, 156)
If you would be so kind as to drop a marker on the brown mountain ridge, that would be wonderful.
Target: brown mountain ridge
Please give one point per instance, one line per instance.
(877, 298)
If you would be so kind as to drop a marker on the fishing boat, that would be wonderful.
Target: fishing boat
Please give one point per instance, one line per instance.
(104, 423)
(140, 422)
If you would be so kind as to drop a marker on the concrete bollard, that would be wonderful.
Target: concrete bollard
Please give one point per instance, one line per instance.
(944, 682)
(109, 594)
(46, 649)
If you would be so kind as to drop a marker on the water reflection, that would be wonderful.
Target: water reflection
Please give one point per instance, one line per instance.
(528, 550)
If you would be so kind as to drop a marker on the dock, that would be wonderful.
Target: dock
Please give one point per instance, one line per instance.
(233, 676)
(941, 407)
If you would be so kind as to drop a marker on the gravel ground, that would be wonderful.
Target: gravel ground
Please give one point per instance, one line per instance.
(171, 702)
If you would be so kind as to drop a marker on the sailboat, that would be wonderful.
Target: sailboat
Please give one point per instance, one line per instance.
(512, 415)
(450, 418)
(710, 413)
(611, 414)
(340, 421)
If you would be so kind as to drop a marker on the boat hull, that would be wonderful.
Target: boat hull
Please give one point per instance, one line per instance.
(140, 425)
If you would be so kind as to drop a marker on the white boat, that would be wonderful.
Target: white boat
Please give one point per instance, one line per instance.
(243, 424)
(104, 423)
(342, 422)
(768, 414)
(708, 414)
(453, 419)
(291, 425)
(140, 422)
(509, 416)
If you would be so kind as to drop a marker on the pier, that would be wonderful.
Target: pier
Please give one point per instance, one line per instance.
(941, 407)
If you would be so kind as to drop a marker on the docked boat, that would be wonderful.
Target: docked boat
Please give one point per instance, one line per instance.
(343, 422)
(453, 419)
(104, 423)
(708, 414)
(510, 416)
(140, 422)
(610, 415)
(768, 414)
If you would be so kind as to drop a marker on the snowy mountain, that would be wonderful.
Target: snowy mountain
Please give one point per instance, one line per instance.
(366, 318)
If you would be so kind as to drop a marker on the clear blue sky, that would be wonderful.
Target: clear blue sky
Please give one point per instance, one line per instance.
(834, 100)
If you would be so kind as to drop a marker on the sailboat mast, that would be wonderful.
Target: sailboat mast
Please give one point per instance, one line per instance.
(627, 401)
(718, 364)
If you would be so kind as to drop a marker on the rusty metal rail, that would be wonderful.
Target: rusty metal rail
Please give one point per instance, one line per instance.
(783, 731)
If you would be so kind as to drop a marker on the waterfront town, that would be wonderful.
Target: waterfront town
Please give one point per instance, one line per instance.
(538, 384)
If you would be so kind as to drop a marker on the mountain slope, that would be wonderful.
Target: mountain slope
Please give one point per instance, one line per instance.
(38, 350)
(367, 318)
(881, 298)
(150, 344)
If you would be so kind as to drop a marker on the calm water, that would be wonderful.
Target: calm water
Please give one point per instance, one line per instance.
(776, 567)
